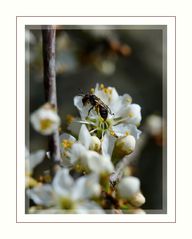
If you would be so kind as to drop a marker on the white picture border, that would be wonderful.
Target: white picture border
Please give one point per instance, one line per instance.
(171, 160)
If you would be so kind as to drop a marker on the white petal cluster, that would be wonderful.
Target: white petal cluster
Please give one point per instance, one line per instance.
(119, 132)
(123, 119)
(31, 161)
(67, 194)
(89, 156)
(83, 156)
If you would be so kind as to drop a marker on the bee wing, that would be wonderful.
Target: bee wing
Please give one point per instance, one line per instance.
(106, 107)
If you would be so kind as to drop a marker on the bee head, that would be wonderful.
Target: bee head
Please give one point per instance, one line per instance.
(86, 99)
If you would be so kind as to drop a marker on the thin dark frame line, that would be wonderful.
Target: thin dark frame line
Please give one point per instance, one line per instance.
(16, 115)
(175, 123)
(16, 121)
(95, 222)
(98, 16)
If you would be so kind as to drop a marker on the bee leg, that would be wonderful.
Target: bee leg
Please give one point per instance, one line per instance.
(110, 112)
(90, 110)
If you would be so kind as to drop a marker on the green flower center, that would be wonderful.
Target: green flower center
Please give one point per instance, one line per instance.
(66, 204)
(100, 127)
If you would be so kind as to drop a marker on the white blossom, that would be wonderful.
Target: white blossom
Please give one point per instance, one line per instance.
(45, 120)
(66, 143)
(80, 152)
(122, 120)
(95, 145)
(88, 160)
(67, 194)
(31, 161)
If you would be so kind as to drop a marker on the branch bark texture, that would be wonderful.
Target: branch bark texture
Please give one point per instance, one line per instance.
(48, 37)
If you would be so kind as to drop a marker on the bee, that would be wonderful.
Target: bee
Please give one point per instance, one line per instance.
(96, 104)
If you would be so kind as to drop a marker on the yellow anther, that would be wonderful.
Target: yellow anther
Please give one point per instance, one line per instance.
(69, 119)
(112, 133)
(45, 124)
(30, 182)
(102, 86)
(67, 143)
(131, 115)
(129, 100)
(127, 133)
(79, 168)
(107, 90)
(92, 90)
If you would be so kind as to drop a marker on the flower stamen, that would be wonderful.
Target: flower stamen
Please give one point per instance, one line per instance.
(45, 124)
(67, 144)
(69, 119)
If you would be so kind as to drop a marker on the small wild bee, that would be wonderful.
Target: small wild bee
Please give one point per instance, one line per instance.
(97, 104)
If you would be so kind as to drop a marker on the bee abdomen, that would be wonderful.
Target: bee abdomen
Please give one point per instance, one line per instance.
(103, 112)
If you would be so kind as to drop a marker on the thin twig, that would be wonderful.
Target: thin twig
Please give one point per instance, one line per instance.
(48, 34)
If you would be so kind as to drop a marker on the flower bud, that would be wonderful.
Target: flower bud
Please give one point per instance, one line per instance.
(124, 146)
(137, 200)
(128, 187)
(95, 144)
(154, 125)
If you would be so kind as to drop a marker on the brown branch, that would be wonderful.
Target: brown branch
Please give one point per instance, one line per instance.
(48, 35)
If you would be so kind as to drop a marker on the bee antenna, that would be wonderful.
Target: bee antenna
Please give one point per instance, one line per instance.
(81, 91)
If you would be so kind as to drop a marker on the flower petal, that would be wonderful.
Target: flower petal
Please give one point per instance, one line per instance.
(74, 127)
(42, 195)
(84, 136)
(108, 144)
(126, 129)
(132, 113)
(121, 105)
(79, 153)
(83, 110)
(86, 187)
(100, 164)
(89, 207)
(35, 159)
(67, 137)
(62, 183)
